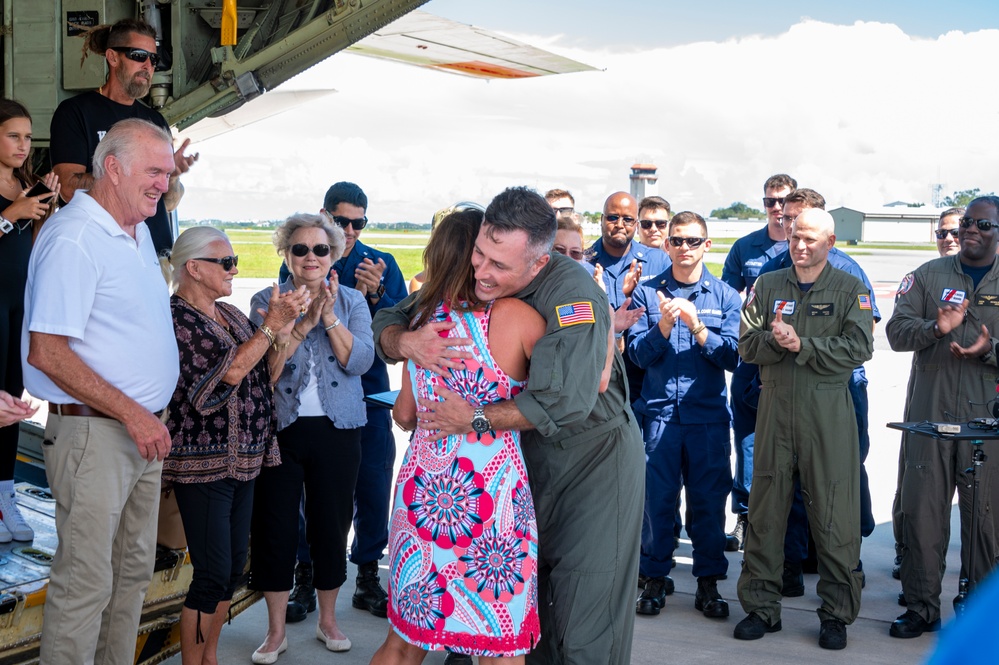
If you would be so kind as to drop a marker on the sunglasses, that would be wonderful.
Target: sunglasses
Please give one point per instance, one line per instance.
(628, 221)
(771, 201)
(563, 211)
(301, 250)
(693, 243)
(227, 262)
(574, 254)
(982, 224)
(942, 233)
(137, 54)
(344, 222)
(647, 224)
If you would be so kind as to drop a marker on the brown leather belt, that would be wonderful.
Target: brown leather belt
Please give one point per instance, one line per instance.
(76, 410)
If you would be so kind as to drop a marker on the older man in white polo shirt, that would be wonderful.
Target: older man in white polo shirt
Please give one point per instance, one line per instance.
(100, 347)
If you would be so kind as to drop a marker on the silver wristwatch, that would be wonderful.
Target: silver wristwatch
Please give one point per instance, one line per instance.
(480, 424)
(6, 225)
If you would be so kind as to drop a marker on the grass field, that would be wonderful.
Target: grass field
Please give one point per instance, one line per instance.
(257, 257)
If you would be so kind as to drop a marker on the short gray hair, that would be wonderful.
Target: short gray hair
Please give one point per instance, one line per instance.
(120, 142)
(301, 220)
(192, 244)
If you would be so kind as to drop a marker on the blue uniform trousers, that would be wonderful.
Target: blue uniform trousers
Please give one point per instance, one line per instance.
(744, 431)
(373, 492)
(695, 457)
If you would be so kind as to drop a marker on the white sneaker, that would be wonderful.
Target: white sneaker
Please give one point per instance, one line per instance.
(13, 521)
(5, 535)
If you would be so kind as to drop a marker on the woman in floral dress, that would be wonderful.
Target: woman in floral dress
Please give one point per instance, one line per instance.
(463, 539)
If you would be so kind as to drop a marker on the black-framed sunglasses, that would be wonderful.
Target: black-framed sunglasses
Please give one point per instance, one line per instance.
(137, 54)
(628, 221)
(647, 223)
(942, 233)
(300, 250)
(574, 254)
(771, 201)
(693, 243)
(982, 224)
(227, 262)
(564, 211)
(344, 222)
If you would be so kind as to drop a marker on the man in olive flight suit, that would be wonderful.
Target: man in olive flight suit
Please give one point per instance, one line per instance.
(807, 327)
(948, 313)
(583, 448)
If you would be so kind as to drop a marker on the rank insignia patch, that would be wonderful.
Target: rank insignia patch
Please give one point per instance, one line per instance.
(574, 313)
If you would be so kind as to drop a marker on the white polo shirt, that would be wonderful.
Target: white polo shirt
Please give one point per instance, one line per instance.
(90, 281)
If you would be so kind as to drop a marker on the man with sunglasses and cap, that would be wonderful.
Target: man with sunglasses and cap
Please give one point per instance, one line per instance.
(377, 276)
(947, 314)
(742, 266)
(79, 123)
(685, 341)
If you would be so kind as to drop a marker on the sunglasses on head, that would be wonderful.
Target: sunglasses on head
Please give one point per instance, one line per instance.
(647, 223)
(344, 222)
(942, 233)
(771, 201)
(137, 54)
(982, 224)
(227, 262)
(301, 250)
(693, 243)
(574, 254)
(628, 221)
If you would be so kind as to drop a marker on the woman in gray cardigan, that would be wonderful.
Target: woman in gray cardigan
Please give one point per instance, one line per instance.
(320, 411)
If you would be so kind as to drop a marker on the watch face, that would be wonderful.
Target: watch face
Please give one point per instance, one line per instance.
(6, 226)
(480, 424)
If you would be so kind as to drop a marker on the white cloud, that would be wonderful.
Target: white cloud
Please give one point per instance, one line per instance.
(863, 113)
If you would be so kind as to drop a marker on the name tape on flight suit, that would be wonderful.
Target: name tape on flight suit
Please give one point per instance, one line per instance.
(820, 309)
(990, 299)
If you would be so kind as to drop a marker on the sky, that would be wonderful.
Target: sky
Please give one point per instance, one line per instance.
(866, 102)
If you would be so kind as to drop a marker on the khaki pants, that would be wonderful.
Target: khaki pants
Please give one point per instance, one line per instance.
(106, 497)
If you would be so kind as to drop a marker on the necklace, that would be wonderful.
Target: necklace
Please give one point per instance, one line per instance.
(225, 326)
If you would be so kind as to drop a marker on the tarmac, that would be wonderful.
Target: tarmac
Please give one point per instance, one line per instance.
(680, 635)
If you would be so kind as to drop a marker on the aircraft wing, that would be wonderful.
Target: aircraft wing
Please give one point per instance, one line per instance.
(259, 108)
(425, 40)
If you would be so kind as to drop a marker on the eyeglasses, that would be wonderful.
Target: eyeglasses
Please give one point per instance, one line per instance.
(564, 211)
(693, 243)
(942, 233)
(647, 223)
(787, 219)
(771, 201)
(301, 250)
(227, 262)
(628, 221)
(137, 54)
(344, 222)
(574, 254)
(982, 224)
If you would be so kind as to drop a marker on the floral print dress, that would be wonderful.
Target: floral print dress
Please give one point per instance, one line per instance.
(463, 540)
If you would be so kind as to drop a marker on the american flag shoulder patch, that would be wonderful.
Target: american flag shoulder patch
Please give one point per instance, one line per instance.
(864, 301)
(574, 313)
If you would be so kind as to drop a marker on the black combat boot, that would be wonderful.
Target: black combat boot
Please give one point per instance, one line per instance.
(369, 594)
(303, 596)
(708, 600)
(736, 540)
(792, 581)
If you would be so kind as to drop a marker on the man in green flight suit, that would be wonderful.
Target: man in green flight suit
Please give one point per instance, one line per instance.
(583, 448)
(807, 327)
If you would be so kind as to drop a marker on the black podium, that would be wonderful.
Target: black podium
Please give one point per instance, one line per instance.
(977, 433)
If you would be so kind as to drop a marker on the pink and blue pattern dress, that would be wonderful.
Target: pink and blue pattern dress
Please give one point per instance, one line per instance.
(463, 539)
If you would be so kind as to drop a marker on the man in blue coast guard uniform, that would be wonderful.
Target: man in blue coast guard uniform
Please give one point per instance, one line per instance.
(622, 263)
(685, 341)
(742, 265)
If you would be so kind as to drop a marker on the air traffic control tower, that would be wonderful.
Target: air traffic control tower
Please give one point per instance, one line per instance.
(640, 175)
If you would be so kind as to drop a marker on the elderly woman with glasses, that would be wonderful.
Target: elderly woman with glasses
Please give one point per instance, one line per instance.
(320, 412)
(221, 423)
